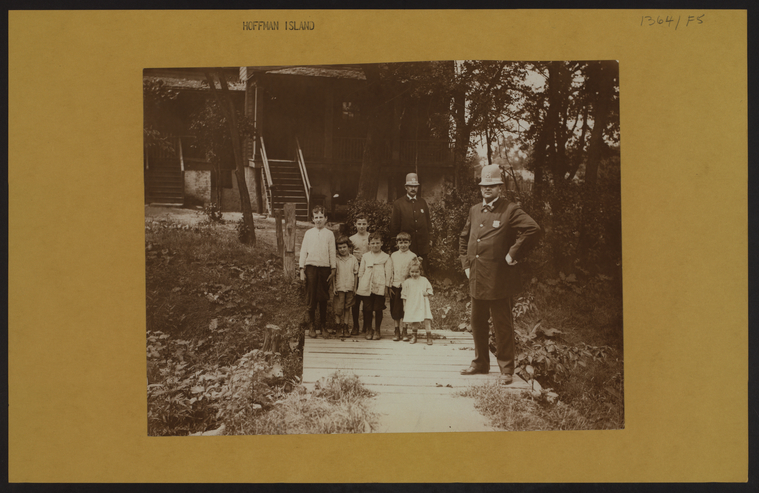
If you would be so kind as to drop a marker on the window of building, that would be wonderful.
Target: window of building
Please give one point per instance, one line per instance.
(350, 110)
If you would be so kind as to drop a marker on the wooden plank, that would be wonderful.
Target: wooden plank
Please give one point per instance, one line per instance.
(279, 232)
(288, 258)
(407, 378)
(430, 387)
(385, 360)
(411, 391)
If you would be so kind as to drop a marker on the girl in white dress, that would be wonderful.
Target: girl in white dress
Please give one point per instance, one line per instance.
(416, 294)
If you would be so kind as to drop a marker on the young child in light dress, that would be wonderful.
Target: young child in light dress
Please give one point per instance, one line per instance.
(416, 292)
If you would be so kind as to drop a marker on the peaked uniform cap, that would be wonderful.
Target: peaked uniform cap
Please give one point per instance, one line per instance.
(491, 175)
(412, 179)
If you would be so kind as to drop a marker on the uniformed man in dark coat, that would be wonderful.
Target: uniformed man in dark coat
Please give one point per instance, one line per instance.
(495, 238)
(412, 215)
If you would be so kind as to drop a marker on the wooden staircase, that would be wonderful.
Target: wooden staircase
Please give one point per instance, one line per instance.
(286, 180)
(164, 182)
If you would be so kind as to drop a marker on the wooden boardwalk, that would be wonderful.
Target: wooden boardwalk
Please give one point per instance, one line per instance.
(417, 385)
(386, 366)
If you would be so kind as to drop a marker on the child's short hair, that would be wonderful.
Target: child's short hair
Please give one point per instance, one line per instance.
(360, 217)
(375, 236)
(415, 262)
(318, 209)
(403, 236)
(344, 240)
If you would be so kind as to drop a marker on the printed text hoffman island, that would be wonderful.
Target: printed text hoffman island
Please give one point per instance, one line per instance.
(274, 25)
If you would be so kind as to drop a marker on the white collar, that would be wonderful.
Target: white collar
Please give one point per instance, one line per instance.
(411, 198)
(489, 204)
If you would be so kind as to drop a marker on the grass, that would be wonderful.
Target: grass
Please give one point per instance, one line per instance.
(338, 406)
(514, 412)
(196, 275)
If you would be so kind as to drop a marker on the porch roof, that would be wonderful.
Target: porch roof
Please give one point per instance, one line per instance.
(195, 84)
(331, 71)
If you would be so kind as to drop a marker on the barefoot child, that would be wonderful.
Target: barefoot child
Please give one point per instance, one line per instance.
(317, 267)
(374, 284)
(416, 294)
(401, 260)
(360, 243)
(346, 280)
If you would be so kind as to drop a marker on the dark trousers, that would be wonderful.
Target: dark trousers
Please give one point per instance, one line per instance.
(503, 324)
(317, 292)
(374, 304)
(426, 264)
(356, 310)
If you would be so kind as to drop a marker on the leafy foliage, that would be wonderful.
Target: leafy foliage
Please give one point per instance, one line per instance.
(213, 140)
(194, 394)
(541, 355)
(243, 231)
(159, 113)
(377, 215)
(448, 216)
(209, 302)
(213, 214)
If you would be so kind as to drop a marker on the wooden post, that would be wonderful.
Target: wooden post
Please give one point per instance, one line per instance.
(288, 259)
(280, 232)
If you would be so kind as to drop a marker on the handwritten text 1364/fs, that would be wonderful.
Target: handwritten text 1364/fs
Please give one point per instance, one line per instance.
(688, 21)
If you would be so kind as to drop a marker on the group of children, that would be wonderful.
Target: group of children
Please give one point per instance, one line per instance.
(360, 273)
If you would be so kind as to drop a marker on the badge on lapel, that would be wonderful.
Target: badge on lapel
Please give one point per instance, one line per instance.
(421, 210)
(496, 223)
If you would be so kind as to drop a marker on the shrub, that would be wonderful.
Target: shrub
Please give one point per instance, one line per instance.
(213, 213)
(377, 215)
(195, 394)
(448, 216)
(243, 232)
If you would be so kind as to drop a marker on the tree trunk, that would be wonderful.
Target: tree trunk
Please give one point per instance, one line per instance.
(368, 182)
(463, 131)
(603, 82)
(227, 107)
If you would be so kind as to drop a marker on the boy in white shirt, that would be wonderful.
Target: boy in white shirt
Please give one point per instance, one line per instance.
(374, 284)
(401, 260)
(317, 267)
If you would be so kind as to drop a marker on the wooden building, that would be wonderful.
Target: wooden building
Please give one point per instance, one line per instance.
(311, 124)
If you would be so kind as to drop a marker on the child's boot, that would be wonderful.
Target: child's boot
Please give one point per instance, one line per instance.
(377, 334)
(397, 336)
(404, 335)
(369, 334)
(413, 337)
(429, 338)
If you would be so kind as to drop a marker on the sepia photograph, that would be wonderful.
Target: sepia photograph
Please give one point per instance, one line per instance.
(405, 247)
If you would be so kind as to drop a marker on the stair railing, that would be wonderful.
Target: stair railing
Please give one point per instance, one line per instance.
(268, 182)
(304, 175)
